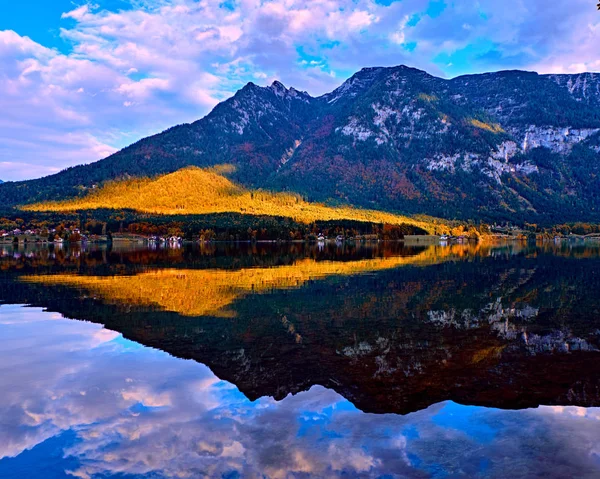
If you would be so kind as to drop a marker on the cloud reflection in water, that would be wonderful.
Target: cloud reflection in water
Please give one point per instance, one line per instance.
(107, 406)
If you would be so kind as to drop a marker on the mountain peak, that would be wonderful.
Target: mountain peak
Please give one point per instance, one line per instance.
(278, 88)
(249, 86)
(370, 69)
(395, 69)
(281, 91)
(393, 137)
(355, 84)
(366, 77)
(299, 92)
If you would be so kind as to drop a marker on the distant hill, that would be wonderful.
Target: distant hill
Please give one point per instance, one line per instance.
(194, 191)
(499, 146)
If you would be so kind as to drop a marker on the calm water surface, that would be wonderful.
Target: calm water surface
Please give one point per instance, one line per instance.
(299, 361)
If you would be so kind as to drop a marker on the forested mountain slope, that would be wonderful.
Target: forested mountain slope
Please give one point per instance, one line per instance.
(509, 145)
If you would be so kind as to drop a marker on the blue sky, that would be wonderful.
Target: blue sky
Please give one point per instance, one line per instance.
(44, 27)
(80, 80)
(79, 397)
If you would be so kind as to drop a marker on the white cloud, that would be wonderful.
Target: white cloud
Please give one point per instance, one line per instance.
(78, 13)
(144, 88)
(359, 20)
(138, 71)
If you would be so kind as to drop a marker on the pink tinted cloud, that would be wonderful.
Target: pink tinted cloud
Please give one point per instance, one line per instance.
(135, 72)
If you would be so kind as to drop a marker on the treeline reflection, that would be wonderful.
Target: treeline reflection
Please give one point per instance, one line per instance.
(392, 328)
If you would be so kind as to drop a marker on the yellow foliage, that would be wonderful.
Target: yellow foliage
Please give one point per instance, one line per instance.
(493, 127)
(209, 292)
(202, 191)
(485, 354)
(428, 98)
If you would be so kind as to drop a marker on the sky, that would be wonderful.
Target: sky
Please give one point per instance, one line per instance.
(79, 81)
(81, 401)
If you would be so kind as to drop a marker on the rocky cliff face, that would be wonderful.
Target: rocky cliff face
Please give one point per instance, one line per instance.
(584, 87)
(507, 145)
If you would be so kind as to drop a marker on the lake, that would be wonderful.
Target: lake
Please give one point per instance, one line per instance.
(294, 361)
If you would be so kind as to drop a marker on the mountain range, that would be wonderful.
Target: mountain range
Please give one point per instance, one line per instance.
(505, 146)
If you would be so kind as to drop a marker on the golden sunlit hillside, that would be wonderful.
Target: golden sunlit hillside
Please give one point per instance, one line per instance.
(204, 191)
(210, 292)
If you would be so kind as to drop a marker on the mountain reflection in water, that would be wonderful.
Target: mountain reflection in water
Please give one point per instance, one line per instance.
(80, 401)
(304, 344)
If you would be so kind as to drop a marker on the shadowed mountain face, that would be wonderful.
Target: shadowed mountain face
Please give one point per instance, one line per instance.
(507, 145)
(392, 329)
